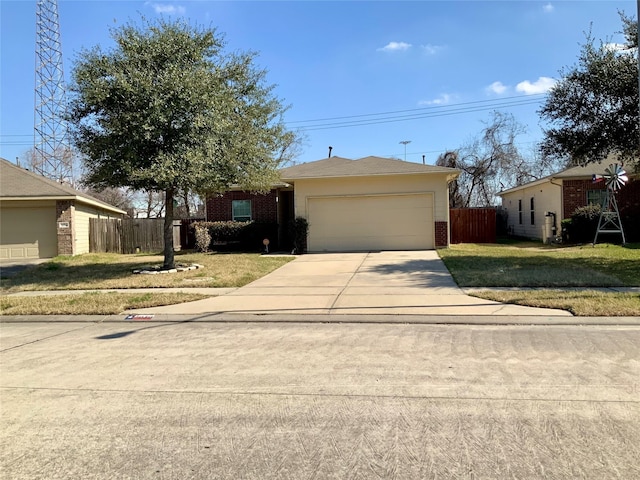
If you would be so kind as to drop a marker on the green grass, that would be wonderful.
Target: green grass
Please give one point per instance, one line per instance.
(93, 303)
(107, 270)
(528, 264)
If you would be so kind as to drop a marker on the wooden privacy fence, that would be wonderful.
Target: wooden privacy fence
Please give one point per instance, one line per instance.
(473, 225)
(130, 235)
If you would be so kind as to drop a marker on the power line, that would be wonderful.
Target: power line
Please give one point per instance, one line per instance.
(537, 97)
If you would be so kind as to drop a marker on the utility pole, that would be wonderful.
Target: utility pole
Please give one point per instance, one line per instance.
(405, 142)
(53, 157)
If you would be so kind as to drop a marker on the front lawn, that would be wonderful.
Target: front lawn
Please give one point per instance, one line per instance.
(111, 270)
(528, 264)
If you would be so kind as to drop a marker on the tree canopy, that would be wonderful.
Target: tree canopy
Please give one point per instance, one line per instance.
(593, 109)
(167, 109)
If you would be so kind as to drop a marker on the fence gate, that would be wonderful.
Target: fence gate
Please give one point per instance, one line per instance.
(473, 225)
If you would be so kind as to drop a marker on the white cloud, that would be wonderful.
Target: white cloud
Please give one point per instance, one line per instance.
(431, 49)
(497, 87)
(548, 8)
(442, 99)
(395, 47)
(542, 85)
(167, 8)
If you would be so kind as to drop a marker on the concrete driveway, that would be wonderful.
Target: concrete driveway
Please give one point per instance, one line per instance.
(389, 283)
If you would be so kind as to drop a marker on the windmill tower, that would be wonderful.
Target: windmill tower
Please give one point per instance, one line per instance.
(53, 157)
(609, 222)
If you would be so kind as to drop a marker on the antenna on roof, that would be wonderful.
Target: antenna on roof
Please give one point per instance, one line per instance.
(330, 148)
(405, 142)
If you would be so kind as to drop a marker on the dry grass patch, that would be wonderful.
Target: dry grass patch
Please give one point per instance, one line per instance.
(92, 303)
(583, 303)
(110, 270)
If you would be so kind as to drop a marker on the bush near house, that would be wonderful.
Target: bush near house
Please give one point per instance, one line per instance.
(236, 236)
(581, 228)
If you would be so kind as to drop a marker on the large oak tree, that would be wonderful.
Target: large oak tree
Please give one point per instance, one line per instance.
(593, 109)
(168, 110)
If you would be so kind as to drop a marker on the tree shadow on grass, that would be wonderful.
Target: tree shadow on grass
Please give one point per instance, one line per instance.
(543, 271)
(58, 275)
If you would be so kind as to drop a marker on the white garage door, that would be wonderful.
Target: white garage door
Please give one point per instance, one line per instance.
(381, 222)
(28, 233)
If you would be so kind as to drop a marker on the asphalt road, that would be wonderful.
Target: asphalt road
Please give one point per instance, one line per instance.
(293, 400)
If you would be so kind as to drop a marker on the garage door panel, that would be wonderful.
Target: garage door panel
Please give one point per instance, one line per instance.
(28, 233)
(385, 222)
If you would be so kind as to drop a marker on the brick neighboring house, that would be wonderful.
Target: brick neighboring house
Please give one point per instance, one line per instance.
(561, 194)
(372, 203)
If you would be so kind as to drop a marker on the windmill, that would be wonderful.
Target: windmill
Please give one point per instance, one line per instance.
(609, 222)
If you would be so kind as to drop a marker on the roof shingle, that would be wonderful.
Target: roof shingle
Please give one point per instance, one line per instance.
(367, 166)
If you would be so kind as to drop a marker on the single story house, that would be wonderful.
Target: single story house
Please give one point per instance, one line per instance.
(372, 203)
(40, 218)
(556, 197)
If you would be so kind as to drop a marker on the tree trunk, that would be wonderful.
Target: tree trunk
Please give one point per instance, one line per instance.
(169, 261)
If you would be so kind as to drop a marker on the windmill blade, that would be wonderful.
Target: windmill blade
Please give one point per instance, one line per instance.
(615, 177)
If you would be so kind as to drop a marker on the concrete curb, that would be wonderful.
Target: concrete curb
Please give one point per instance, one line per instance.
(329, 319)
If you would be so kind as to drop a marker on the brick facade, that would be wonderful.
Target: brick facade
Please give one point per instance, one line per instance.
(442, 237)
(264, 208)
(574, 194)
(65, 228)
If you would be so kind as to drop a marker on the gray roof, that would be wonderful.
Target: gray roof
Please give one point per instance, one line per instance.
(368, 166)
(580, 172)
(20, 184)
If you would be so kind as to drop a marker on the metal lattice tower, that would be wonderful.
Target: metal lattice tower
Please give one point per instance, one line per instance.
(52, 153)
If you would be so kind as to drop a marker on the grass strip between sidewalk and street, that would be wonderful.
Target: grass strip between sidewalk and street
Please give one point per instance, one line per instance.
(582, 303)
(90, 303)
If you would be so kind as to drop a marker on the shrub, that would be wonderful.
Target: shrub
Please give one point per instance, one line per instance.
(584, 223)
(232, 235)
(203, 238)
(299, 232)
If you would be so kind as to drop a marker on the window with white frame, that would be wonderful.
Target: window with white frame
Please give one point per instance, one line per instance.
(532, 209)
(520, 212)
(241, 210)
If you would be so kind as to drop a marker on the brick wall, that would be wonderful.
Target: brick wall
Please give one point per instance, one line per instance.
(65, 227)
(574, 193)
(263, 207)
(442, 236)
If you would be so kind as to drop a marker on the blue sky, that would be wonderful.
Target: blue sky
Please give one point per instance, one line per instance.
(425, 71)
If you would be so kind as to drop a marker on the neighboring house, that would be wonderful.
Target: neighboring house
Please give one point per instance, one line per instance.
(372, 203)
(557, 197)
(40, 218)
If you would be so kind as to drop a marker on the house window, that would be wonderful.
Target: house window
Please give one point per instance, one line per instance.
(241, 210)
(520, 212)
(596, 197)
(533, 217)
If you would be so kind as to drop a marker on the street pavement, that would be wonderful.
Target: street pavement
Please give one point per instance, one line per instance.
(203, 400)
